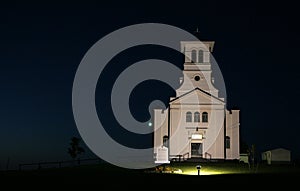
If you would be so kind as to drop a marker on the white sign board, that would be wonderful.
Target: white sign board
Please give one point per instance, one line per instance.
(162, 155)
(196, 136)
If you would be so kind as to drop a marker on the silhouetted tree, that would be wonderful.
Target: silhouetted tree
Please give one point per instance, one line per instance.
(75, 149)
(252, 155)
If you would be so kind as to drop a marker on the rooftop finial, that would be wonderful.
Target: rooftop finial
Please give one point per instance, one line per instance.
(197, 32)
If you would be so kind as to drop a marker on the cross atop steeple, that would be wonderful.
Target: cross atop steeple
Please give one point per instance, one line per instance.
(197, 33)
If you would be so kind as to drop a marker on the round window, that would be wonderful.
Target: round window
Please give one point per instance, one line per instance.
(197, 78)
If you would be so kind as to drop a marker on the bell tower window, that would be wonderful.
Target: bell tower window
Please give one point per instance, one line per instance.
(200, 56)
(194, 56)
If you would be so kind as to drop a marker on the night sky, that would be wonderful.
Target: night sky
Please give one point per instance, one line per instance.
(41, 46)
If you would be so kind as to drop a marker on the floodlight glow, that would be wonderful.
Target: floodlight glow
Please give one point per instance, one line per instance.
(204, 171)
(149, 124)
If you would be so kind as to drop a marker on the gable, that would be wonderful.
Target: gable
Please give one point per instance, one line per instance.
(196, 97)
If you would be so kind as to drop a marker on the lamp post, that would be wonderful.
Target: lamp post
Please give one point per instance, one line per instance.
(198, 168)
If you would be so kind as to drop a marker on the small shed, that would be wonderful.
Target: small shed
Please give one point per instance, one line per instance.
(279, 155)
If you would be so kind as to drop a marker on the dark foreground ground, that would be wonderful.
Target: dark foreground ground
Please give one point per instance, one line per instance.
(103, 177)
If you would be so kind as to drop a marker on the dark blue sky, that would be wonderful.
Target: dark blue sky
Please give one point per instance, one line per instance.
(41, 46)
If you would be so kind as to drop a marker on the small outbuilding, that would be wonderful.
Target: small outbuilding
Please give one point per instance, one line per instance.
(244, 158)
(279, 155)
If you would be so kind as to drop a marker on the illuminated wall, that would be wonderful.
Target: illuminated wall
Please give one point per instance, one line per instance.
(196, 97)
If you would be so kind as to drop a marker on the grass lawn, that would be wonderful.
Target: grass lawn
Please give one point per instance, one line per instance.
(232, 168)
(104, 174)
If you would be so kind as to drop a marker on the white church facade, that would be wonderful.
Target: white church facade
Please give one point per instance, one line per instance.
(197, 122)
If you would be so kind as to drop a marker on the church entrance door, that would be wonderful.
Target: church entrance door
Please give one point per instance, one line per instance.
(196, 149)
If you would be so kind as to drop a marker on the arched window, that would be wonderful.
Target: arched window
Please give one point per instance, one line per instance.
(227, 142)
(165, 141)
(188, 117)
(205, 117)
(200, 56)
(196, 117)
(194, 55)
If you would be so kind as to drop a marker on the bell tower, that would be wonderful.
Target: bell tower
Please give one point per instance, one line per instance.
(197, 67)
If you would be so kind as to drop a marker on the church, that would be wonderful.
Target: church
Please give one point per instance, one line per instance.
(197, 123)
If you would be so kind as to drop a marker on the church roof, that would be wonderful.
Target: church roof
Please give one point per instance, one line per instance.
(197, 89)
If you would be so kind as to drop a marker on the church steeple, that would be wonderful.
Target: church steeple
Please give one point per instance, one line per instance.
(197, 66)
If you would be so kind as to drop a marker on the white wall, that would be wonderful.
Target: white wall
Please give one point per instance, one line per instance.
(160, 127)
(276, 155)
(232, 130)
(180, 130)
(280, 155)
